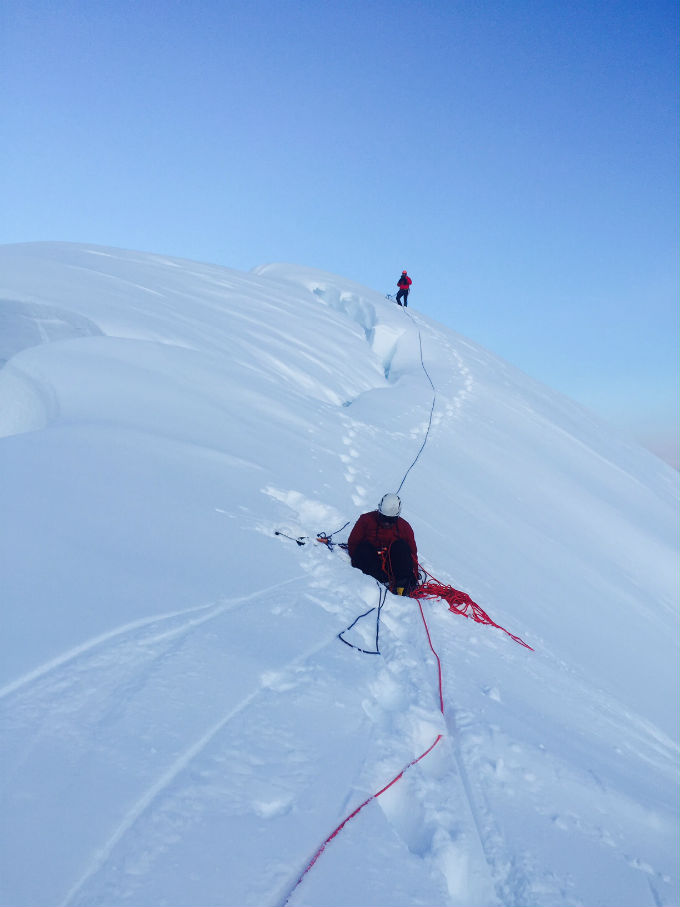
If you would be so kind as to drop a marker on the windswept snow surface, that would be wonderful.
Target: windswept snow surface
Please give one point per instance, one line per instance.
(180, 723)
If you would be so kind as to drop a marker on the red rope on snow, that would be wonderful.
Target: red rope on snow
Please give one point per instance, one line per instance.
(458, 602)
(393, 781)
(439, 664)
(358, 810)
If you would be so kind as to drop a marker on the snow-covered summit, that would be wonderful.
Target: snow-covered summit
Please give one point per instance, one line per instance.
(180, 723)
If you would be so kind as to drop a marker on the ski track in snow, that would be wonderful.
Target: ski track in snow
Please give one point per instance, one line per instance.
(152, 794)
(128, 655)
(158, 790)
(136, 633)
(511, 883)
(159, 787)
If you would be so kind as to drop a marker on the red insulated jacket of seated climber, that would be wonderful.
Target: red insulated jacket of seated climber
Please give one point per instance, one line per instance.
(370, 527)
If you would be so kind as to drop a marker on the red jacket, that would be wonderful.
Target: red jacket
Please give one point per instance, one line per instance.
(404, 282)
(371, 528)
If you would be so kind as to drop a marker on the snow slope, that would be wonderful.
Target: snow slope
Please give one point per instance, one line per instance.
(181, 725)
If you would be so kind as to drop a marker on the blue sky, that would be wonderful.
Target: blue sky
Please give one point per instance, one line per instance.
(519, 158)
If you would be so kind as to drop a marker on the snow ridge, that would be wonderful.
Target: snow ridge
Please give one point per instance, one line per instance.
(180, 723)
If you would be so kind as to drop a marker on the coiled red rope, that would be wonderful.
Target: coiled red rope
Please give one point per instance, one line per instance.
(458, 602)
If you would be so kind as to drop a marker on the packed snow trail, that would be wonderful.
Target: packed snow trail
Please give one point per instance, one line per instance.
(168, 740)
(397, 778)
(432, 408)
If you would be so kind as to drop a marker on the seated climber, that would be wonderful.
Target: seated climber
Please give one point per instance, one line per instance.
(382, 545)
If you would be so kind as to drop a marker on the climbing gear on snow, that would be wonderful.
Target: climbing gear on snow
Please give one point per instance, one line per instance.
(328, 539)
(300, 540)
(458, 602)
(382, 595)
(425, 587)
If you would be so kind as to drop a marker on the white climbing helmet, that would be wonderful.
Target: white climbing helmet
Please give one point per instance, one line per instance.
(390, 505)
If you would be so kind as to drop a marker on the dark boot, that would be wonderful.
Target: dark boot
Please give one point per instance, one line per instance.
(402, 570)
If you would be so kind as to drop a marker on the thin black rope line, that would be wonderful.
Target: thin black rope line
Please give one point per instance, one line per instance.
(328, 539)
(434, 400)
(382, 595)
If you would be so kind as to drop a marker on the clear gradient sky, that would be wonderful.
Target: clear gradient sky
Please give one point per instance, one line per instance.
(518, 157)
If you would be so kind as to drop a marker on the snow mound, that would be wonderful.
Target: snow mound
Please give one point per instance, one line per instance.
(180, 723)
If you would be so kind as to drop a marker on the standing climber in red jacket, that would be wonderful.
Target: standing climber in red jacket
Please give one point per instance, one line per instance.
(404, 284)
(382, 545)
